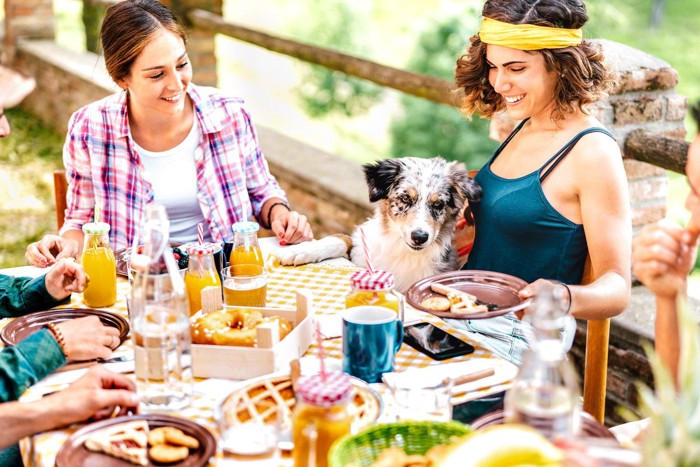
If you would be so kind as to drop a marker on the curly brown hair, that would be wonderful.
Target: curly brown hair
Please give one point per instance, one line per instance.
(583, 79)
(128, 27)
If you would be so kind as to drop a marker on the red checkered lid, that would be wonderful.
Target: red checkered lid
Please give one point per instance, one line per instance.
(201, 249)
(364, 280)
(314, 390)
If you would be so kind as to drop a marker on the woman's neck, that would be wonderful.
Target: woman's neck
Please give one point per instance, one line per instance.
(155, 131)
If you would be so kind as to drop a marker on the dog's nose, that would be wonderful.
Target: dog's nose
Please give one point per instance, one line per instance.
(419, 237)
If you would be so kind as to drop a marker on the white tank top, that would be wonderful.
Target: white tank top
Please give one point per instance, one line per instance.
(173, 176)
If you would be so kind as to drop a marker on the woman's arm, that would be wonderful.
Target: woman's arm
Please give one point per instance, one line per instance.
(605, 212)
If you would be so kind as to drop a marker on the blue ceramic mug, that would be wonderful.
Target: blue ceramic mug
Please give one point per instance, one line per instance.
(371, 337)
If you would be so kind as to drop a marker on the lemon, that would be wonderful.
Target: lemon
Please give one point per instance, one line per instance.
(502, 446)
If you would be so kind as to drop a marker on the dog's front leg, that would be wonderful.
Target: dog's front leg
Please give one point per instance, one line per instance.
(333, 246)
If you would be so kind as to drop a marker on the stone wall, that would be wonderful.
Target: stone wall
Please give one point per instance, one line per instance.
(332, 193)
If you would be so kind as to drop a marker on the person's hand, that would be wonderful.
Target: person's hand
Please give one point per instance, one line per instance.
(530, 290)
(50, 249)
(662, 256)
(291, 227)
(64, 278)
(87, 338)
(99, 394)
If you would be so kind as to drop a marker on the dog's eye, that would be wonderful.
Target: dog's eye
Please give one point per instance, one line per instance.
(405, 198)
(439, 205)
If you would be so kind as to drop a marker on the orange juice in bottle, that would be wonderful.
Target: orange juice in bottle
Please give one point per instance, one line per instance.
(321, 416)
(99, 264)
(246, 249)
(201, 272)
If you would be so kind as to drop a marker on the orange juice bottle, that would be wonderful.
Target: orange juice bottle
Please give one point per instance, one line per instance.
(201, 272)
(321, 416)
(246, 249)
(98, 262)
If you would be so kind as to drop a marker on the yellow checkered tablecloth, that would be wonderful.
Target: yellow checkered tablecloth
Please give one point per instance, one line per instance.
(329, 285)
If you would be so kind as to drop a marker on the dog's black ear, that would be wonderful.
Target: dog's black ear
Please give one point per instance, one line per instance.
(380, 177)
(463, 186)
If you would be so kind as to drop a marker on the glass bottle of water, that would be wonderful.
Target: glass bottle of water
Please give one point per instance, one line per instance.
(159, 314)
(545, 393)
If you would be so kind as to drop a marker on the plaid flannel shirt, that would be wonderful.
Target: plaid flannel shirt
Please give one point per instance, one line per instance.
(104, 170)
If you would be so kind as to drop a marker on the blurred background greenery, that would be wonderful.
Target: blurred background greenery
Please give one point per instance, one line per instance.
(347, 116)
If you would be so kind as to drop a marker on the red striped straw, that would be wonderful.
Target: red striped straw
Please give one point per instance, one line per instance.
(319, 341)
(365, 250)
(200, 233)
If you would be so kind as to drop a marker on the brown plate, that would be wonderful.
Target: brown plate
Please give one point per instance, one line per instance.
(74, 454)
(494, 288)
(24, 326)
(589, 425)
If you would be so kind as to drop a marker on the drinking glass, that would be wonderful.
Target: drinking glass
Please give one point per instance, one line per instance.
(423, 400)
(245, 285)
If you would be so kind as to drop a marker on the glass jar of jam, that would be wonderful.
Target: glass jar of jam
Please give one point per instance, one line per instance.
(372, 289)
(321, 416)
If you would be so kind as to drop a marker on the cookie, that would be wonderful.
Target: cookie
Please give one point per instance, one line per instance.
(178, 438)
(436, 303)
(166, 454)
(157, 436)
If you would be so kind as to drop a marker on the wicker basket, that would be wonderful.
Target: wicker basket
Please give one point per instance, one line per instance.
(413, 437)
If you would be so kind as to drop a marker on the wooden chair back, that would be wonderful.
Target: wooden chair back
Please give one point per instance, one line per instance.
(60, 188)
(595, 371)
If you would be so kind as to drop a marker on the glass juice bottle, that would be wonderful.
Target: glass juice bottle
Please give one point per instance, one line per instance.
(545, 392)
(321, 416)
(159, 315)
(246, 250)
(201, 273)
(98, 261)
(372, 289)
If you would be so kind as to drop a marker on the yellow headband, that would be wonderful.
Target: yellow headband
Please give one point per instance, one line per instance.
(528, 36)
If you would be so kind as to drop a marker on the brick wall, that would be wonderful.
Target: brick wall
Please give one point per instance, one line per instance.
(26, 18)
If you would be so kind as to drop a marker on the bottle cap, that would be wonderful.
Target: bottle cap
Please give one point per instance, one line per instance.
(245, 227)
(201, 249)
(364, 280)
(96, 228)
(314, 390)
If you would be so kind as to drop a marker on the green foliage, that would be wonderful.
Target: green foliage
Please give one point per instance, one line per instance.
(427, 129)
(335, 24)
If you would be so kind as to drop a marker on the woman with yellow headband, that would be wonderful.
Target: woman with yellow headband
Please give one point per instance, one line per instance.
(555, 191)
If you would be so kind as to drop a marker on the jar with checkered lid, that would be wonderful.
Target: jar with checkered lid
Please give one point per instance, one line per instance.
(372, 289)
(246, 250)
(321, 416)
(201, 272)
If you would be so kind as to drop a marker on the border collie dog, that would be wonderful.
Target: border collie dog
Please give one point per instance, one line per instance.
(411, 233)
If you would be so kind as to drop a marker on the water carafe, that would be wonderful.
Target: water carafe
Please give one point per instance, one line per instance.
(545, 393)
(159, 314)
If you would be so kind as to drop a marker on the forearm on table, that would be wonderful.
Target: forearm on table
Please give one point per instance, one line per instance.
(606, 297)
(19, 420)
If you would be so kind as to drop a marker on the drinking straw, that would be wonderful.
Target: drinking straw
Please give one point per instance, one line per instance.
(365, 250)
(200, 233)
(320, 351)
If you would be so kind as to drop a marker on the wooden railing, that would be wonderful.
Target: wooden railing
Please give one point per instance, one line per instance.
(662, 151)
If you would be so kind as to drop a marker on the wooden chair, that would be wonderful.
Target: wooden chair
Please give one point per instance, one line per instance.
(595, 371)
(60, 188)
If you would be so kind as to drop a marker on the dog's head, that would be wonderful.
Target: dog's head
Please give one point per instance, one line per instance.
(420, 197)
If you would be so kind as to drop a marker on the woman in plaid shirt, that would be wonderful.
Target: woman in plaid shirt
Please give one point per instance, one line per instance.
(163, 139)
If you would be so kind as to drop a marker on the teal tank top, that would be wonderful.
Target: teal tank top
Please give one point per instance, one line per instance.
(518, 232)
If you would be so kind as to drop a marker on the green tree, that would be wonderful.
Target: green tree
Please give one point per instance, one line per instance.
(427, 129)
(338, 25)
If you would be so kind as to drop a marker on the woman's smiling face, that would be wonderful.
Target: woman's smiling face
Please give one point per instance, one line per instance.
(523, 81)
(160, 75)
